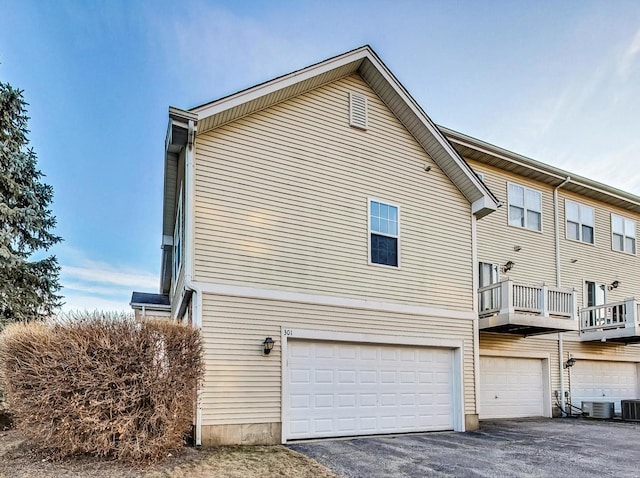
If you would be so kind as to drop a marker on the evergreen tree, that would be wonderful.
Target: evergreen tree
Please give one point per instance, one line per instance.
(28, 284)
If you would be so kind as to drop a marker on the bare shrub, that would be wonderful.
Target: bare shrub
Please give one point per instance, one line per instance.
(105, 387)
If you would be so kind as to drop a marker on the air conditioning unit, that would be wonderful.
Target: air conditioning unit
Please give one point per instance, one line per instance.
(631, 410)
(598, 409)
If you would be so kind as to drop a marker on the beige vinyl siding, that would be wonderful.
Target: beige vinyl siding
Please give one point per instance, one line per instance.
(507, 343)
(598, 262)
(243, 386)
(600, 350)
(535, 262)
(281, 202)
(597, 351)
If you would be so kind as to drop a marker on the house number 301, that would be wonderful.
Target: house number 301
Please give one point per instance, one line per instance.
(287, 332)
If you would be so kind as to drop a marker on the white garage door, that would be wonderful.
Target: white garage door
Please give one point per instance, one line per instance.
(345, 389)
(603, 381)
(511, 387)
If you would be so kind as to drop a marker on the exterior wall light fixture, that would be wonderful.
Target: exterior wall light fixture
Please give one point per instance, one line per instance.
(268, 345)
(570, 363)
(508, 266)
(614, 285)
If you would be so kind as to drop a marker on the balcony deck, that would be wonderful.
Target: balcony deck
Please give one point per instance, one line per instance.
(520, 309)
(613, 322)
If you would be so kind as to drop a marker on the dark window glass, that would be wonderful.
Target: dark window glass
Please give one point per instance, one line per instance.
(384, 250)
(587, 234)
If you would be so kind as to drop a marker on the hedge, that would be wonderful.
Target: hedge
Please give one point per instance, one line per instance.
(104, 387)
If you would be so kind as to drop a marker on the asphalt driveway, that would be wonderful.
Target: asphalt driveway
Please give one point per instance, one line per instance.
(508, 448)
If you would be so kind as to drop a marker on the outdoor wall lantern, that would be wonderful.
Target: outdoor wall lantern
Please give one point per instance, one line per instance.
(614, 285)
(570, 363)
(268, 345)
(508, 266)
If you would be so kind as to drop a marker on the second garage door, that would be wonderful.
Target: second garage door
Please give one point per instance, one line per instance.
(600, 380)
(345, 389)
(511, 387)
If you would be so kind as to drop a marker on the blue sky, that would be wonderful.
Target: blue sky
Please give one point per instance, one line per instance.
(557, 81)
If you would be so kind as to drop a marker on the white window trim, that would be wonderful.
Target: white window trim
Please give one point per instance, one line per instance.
(525, 208)
(585, 291)
(497, 266)
(177, 234)
(369, 232)
(624, 218)
(580, 223)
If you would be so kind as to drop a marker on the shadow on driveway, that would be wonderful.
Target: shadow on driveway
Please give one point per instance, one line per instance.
(564, 448)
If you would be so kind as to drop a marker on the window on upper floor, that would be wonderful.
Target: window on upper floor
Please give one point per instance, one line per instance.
(579, 221)
(384, 233)
(525, 207)
(177, 241)
(623, 234)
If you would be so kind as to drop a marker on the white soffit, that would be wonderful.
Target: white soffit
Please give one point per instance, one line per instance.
(365, 62)
(483, 152)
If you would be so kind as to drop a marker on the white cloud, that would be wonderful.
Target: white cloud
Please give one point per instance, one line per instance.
(101, 273)
(90, 284)
(88, 302)
(216, 52)
(629, 55)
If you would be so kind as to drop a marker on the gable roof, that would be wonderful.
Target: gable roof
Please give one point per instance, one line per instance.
(506, 160)
(368, 65)
(365, 62)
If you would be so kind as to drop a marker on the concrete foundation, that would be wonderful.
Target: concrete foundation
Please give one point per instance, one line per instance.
(242, 434)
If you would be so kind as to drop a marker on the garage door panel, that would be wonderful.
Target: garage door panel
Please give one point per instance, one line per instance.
(511, 387)
(345, 389)
(600, 380)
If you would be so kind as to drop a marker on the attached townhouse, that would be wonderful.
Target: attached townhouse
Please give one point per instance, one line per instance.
(558, 274)
(353, 274)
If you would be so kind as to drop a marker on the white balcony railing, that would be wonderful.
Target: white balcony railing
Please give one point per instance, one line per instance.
(615, 315)
(507, 297)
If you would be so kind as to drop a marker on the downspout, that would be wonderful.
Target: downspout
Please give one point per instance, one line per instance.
(476, 325)
(559, 284)
(190, 256)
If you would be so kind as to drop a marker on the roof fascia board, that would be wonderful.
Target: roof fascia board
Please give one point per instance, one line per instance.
(357, 56)
(483, 206)
(506, 158)
(431, 126)
(182, 115)
(150, 306)
(538, 167)
(279, 83)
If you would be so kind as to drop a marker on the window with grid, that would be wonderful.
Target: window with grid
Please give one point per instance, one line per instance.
(383, 233)
(580, 220)
(525, 207)
(623, 234)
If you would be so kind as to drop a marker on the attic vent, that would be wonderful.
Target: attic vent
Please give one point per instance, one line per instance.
(358, 110)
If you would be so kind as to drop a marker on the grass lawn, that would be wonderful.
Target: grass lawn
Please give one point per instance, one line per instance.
(18, 459)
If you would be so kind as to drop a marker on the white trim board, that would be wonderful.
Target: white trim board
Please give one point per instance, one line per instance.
(331, 301)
